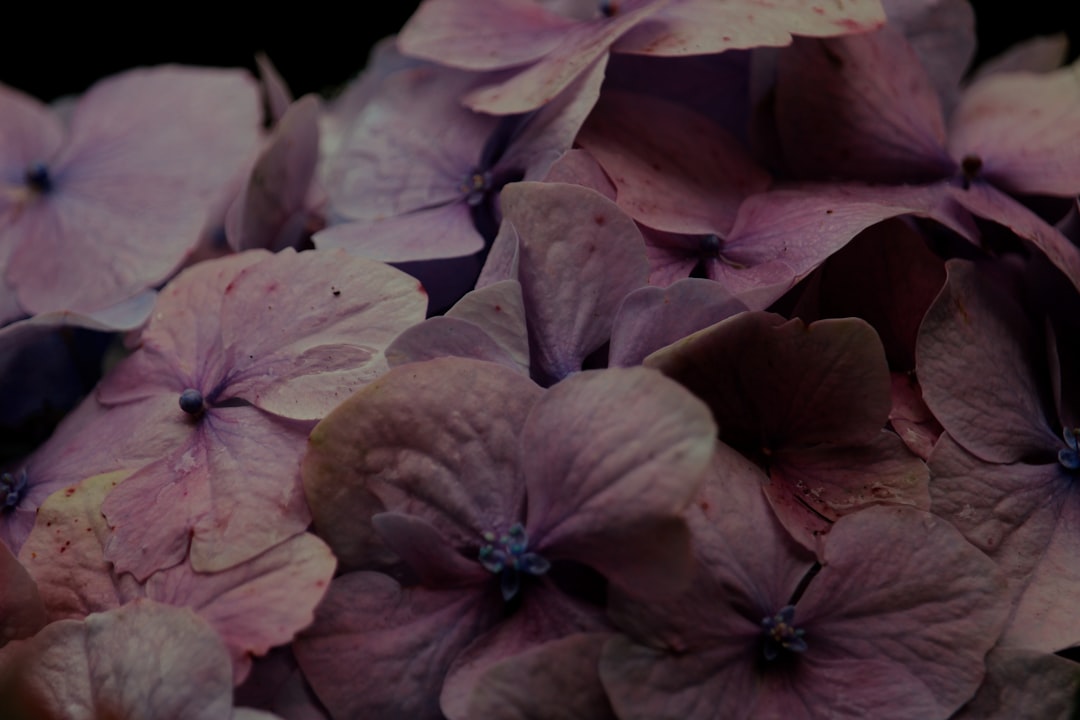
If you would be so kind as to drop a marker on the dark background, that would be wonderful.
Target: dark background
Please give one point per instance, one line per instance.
(49, 53)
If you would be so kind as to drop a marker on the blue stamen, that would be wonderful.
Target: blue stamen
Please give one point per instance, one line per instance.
(781, 634)
(475, 186)
(192, 402)
(509, 558)
(12, 490)
(38, 178)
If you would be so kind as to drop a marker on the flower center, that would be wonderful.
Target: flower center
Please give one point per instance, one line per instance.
(12, 490)
(709, 246)
(509, 557)
(192, 402)
(971, 165)
(609, 8)
(1069, 456)
(37, 177)
(475, 186)
(781, 634)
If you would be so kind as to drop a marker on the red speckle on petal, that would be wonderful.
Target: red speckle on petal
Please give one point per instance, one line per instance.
(498, 308)
(599, 220)
(69, 492)
(818, 10)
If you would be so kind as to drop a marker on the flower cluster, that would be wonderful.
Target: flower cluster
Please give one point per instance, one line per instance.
(627, 359)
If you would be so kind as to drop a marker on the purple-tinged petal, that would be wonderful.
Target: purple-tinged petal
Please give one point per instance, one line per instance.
(258, 604)
(611, 458)
(673, 169)
(826, 382)
(651, 318)
(1041, 54)
(275, 90)
(578, 167)
(499, 310)
(181, 345)
(578, 47)
(911, 418)
(430, 233)
(810, 488)
(1025, 517)
(503, 258)
(1021, 683)
(553, 129)
(448, 337)
(143, 660)
(887, 276)
(942, 34)
(702, 27)
(22, 612)
(325, 318)
(977, 361)
(438, 440)
(377, 650)
(988, 202)
(486, 324)
(232, 491)
(579, 257)
(427, 552)
(271, 211)
(554, 681)
(91, 439)
(29, 132)
(869, 106)
(898, 586)
(780, 236)
(1022, 128)
(410, 147)
(516, 32)
(546, 614)
(184, 132)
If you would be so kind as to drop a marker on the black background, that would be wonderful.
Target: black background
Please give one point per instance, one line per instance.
(49, 53)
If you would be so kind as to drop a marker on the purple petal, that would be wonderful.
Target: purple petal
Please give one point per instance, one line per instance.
(1020, 126)
(556, 679)
(700, 27)
(232, 491)
(673, 169)
(579, 258)
(271, 209)
(869, 105)
(546, 614)
(329, 315)
(440, 440)
(1022, 682)
(427, 552)
(378, 650)
(977, 362)
(651, 318)
(609, 457)
(431, 233)
(140, 661)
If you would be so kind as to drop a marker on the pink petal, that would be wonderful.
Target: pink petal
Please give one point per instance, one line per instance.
(22, 613)
(440, 441)
(673, 169)
(1021, 126)
(379, 650)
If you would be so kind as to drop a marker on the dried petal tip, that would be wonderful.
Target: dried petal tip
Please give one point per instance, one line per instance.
(37, 177)
(12, 489)
(781, 634)
(511, 559)
(1069, 456)
(192, 402)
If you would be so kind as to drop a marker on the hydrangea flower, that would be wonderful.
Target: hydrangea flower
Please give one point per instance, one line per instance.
(231, 403)
(97, 210)
(490, 497)
(893, 623)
